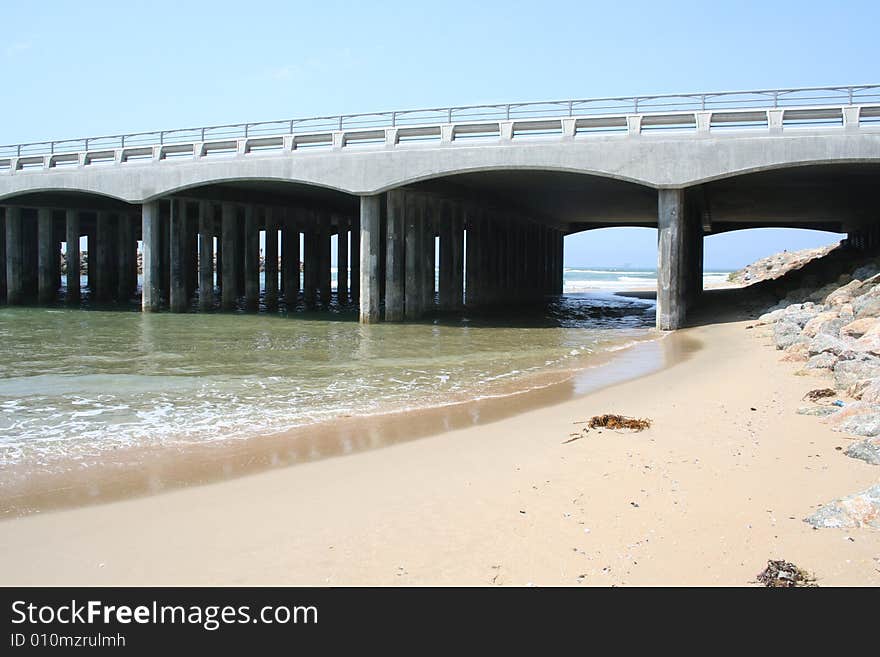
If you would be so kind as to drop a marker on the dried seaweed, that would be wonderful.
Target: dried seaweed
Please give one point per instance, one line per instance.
(609, 421)
(783, 574)
(820, 393)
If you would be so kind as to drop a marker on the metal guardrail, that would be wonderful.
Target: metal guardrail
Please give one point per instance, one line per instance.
(722, 100)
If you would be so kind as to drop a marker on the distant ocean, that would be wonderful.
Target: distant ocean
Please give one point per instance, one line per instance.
(584, 279)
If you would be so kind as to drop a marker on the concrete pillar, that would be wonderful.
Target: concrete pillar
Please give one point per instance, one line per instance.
(151, 234)
(2, 256)
(355, 260)
(290, 264)
(342, 261)
(165, 252)
(413, 257)
(370, 243)
(46, 268)
(126, 253)
(251, 259)
(103, 257)
(192, 249)
(271, 258)
(240, 248)
(672, 256)
(395, 244)
(456, 276)
(229, 226)
(177, 298)
(325, 275)
(310, 263)
(472, 257)
(444, 229)
(429, 265)
(206, 257)
(30, 258)
(14, 257)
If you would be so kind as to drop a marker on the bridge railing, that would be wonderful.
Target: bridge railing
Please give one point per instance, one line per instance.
(763, 98)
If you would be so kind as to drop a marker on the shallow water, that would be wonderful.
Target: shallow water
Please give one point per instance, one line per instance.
(76, 383)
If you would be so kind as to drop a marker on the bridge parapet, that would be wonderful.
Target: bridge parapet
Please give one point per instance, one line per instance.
(850, 108)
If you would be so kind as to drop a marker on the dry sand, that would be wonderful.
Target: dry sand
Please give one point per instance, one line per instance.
(706, 496)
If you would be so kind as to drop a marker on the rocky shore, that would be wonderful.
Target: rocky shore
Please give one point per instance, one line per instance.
(827, 317)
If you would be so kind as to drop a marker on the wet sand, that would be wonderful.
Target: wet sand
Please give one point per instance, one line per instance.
(705, 496)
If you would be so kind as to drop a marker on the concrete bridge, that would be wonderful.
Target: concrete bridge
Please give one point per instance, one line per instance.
(498, 185)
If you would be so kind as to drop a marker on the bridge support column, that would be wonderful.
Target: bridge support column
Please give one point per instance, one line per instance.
(370, 244)
(104, 252)
(676, 258)
(229, 273)
(325, 275)
(395, 269)
(472, 257)
(413, 257)
(310, 263)
(125, 255)
(151, 232)
(341, 261)
(206, 257)
(177, 298)
(46, 268)
(271, 259)
(290, 264)
(444, 229)
(429, 264)
(14, 257)
(355, 265)
(2, 256)
(251, 260)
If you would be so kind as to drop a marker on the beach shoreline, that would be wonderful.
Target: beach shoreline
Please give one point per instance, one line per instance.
(719, 485)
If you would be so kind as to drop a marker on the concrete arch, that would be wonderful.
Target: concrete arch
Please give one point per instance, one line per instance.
(69, 192)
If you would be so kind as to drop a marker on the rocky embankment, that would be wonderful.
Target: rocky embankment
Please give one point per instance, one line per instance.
(828, 319)
(777, 265)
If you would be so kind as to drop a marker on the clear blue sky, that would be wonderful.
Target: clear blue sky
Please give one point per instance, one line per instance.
(71, 69)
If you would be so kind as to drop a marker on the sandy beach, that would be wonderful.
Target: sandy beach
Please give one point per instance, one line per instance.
(719, 485)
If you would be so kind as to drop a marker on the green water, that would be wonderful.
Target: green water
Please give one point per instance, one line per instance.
(76, 383)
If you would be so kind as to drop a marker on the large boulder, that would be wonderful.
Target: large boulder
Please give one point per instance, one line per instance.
(847, 372)
(866, 450)
(821, 322)
(869, 342)
(857, 328)
(786, 333)
(858, 418)
(823, 361)
(859, 510)
(868, 304)
(843, 294)
(824, 343)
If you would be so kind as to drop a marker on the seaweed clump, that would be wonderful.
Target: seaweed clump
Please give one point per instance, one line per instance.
(783, 574)
(610, 421)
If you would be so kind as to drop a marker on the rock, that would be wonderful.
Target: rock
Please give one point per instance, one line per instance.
(857, 328)
(869, 342)
(786, 333)
(817, 411)
(867, 271)
(859, 510)
(824, 343)
(865, 450)
(858, 418)
(796, 353)
(868, 304)
(847, 372)
(770, 317)
(823, 361)
(811, 328)
(870, 392)
(843, 294)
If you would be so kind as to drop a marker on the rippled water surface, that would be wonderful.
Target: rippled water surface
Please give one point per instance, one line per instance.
(75, 383)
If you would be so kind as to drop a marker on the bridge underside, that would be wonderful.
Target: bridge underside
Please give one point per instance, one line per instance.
(471, 239)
